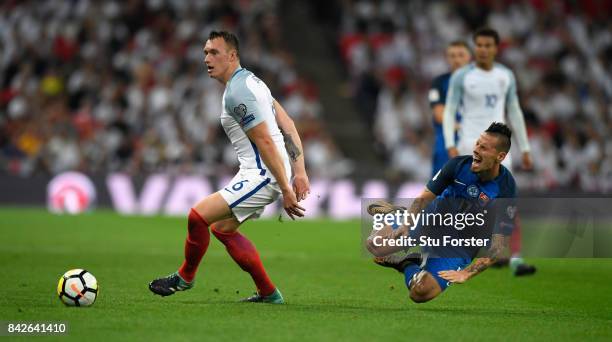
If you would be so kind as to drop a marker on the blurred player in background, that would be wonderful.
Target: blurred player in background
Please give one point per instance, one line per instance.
(457, 55)
(487, 92)
(268, 148)
(466, 184)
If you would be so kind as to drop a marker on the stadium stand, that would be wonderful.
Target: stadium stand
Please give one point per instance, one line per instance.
(560, 51)
(101, 86)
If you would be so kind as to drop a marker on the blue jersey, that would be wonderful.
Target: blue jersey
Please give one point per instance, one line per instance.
(459, 190)
(437, 95)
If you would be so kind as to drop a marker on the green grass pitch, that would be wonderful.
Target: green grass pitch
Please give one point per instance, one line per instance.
(332, 291)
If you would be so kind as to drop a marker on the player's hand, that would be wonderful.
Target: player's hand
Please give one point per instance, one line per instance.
(452, 152)
(290, 203)
(301, 187)
(457, 277)
(527, 162)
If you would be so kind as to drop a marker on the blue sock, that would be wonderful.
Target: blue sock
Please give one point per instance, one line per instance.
(409, 271)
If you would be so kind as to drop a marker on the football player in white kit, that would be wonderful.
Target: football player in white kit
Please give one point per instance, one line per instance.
(268, 148)
(486, 92)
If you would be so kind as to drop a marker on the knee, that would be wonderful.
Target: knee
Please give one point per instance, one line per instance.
(223, 227)
(425, 289)
(418, 296)
(195, 221)
(224, 230)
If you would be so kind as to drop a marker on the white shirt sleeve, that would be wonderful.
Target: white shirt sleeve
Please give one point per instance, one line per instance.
(515, 116)
(244, 105)
(453, 98)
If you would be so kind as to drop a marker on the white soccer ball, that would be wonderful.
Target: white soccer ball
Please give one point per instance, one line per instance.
(77, 287)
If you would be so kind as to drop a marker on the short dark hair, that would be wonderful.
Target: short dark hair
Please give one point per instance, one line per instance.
(486, 32)
(459, 43)
(503, 134)
(229, 38)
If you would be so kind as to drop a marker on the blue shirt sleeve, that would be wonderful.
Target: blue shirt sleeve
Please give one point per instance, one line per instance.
(437, 95)
(445, 176)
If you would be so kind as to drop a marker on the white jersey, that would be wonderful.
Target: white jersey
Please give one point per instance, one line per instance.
(247, 102)
(482, 97)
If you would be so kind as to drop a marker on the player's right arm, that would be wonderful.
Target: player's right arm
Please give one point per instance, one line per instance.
(445, 176)
(434, 187)
(293, 145)
(453, 98)
(248, 111)
(438, 183)
(260, 136)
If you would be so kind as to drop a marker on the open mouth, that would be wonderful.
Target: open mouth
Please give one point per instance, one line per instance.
(476, 160)
(210, 68)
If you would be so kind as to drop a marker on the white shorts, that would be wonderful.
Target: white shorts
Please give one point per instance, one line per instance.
(248, 193)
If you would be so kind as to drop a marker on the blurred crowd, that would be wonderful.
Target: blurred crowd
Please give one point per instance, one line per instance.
(560, 52)
(103, 86)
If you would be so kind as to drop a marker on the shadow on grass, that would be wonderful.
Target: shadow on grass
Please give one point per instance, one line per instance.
(487, 312)
(428, 309)
(315, 307)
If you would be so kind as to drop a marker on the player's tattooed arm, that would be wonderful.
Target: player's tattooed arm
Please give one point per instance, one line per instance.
(293, 150)
(461, 276)
(498, 246)
(422, 201)
(419, 204)
(479, 265)
(293, 145)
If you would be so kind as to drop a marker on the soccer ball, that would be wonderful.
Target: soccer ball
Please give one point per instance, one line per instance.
(77, 287)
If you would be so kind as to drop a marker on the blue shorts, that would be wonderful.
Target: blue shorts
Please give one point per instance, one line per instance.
(435, 265)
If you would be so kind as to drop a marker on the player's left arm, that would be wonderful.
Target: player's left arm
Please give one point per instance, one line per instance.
(437, 98)
(293, 145)
(453, 98)
(504, 209)
(517, 122)
(499, 244)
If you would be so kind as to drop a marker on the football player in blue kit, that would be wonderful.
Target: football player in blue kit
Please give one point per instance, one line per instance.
(457, 55)
(466, 184)
(486, 91)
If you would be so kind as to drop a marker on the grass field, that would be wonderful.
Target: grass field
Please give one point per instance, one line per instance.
(332, 291)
